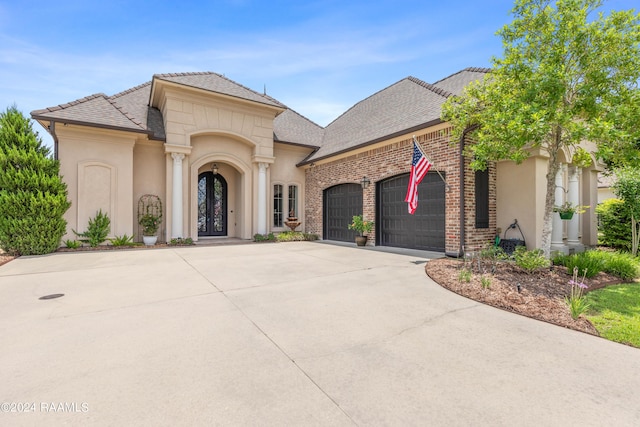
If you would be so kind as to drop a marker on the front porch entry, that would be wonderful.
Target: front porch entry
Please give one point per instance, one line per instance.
(212, 204)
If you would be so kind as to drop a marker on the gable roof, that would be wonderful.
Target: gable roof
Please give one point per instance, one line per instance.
(217, 83)
(407, 105)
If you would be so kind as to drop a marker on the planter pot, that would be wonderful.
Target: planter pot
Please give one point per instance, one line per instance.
(149, 240)
(566, 215)
(361, 240)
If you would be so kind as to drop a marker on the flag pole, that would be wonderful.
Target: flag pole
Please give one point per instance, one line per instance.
(415, 141)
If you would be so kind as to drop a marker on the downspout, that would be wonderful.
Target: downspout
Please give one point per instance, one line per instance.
(460, 252)
(52, 131)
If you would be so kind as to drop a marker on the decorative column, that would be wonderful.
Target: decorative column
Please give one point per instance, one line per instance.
(262, 197)
(573, 197)
(557, 226)
(176, 202)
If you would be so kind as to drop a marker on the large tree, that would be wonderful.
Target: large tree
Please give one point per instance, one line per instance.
(566, 76)
(33, 197)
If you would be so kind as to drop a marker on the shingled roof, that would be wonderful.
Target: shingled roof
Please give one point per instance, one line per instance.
(407, 105)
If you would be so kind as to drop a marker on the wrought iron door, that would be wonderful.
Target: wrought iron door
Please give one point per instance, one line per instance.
(212, 205)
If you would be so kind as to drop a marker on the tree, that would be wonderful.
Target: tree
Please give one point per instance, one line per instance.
(33, 198)
(564, 78)
(627, 187)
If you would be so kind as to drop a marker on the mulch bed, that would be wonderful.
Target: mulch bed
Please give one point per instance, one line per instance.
(541, 294)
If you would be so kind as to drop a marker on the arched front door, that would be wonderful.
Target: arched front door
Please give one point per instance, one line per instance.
(212, 205)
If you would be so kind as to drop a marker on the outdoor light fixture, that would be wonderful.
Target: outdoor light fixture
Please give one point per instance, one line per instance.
(214, 168)
(365, 182)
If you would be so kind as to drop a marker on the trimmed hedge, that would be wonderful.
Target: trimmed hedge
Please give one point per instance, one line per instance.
(614, 224)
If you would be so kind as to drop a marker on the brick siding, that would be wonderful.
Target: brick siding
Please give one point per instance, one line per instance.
(394, 159)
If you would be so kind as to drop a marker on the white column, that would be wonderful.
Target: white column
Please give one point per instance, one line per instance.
(557, 226)
(176, 202)
(573, 197)
(262, 197)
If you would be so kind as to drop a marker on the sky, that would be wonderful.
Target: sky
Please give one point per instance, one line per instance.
(317, 57)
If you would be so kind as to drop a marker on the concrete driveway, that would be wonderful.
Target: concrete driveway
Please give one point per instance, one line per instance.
(287, 334)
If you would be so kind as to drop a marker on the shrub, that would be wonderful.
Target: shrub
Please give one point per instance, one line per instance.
(464, 275)
(179, 241)
(33, 198)
(123, 240)
(614, 222)
(589, 263)
(72, 244)
(295, 236)
(530, 261)
(97, 231)
(264, 237)
(622, 265)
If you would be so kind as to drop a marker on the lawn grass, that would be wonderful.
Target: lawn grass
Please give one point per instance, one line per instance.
(615, 312)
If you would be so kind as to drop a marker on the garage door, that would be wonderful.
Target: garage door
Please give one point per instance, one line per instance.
(341, 203)
(426, 228)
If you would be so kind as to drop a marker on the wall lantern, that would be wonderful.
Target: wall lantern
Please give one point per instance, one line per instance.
(214, 168)
(365, 182)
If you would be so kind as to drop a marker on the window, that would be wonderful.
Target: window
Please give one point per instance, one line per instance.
(277, 205)
(293, 200)
(482, 199)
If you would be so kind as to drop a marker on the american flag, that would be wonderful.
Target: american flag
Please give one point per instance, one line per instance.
(419, 168)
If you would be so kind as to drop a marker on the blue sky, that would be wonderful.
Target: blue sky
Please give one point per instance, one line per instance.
(317, 57)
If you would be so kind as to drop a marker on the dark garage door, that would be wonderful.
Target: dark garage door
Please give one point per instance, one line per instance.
(341, 203)
(425, 229)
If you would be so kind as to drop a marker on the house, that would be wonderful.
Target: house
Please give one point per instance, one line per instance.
(228, 161)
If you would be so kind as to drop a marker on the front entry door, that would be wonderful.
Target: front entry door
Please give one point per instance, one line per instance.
(212, 205)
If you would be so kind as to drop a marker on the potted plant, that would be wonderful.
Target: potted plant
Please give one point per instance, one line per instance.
(361, 226)
(567, 209)
(150, 224)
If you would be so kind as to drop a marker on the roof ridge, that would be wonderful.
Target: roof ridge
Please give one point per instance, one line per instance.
(362, 100)
(222, 76)
(70, 103)
(130, 90)
(469, 69)
(429, 86)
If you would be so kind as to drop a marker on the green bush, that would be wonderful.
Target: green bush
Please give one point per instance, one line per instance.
(97, 231)
(72, 244)
(530, 261)
(619, 264)
(264, 237)
(33, 198)
(179, 241)
(614, 224)
(123, 240)
(590, 261)
(295, 236)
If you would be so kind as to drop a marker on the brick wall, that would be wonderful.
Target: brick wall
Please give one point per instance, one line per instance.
(394, 159)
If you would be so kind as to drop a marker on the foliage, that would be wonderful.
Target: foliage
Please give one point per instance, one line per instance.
(179, 241)
(614, 221)
(568, 207)
(97, 231)
(627, 188)
(530, 261)
(33, 198)
(150, 224)
(295, 236)
(564, 78)
(123, 240)
(72, 244)
(485, 281)
(464, 275)
(264, 237)
(615, 312)
(360, 225)
(576, 301)
(592, 262)
(149, 214)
